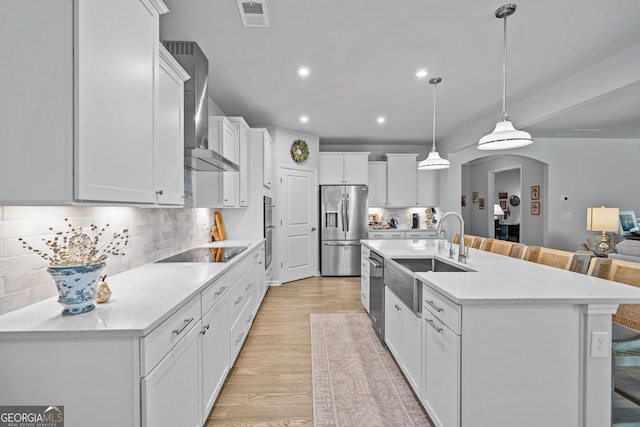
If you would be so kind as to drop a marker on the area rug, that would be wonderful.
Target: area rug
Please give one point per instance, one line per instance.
(355, 380)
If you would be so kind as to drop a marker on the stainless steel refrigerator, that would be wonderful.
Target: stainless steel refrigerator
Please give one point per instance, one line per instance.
(344, 221)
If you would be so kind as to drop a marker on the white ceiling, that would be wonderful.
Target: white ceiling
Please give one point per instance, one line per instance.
(363, 56)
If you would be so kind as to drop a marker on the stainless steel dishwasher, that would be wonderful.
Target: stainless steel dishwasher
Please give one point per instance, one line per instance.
(376, 293)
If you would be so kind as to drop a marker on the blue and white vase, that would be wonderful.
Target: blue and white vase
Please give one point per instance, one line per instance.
(77, 286)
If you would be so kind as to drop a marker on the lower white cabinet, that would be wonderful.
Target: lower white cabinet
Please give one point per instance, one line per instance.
(171, 391)
(403, 336)
(364, 277)
(215, 354)
(441, 372)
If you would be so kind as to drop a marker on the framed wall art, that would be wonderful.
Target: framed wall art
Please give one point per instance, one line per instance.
(502, 195)
(535, 192)
(535, 208)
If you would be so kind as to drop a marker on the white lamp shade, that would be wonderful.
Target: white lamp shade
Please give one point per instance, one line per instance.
(433, 162)
(503, 137)
(497, 210)
(602, 219)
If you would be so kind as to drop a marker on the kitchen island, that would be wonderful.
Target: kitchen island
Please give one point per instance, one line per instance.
(154, 355)
(510, 342)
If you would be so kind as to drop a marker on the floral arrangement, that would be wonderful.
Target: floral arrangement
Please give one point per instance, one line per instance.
(75, 247)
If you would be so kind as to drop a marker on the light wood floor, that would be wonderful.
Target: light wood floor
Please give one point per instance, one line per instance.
(270, 383)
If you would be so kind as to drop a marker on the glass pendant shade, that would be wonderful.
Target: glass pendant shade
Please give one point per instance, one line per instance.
(503, 137)
(433, 162)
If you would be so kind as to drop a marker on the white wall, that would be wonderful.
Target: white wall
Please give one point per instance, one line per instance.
(153, 234)
(590, 172)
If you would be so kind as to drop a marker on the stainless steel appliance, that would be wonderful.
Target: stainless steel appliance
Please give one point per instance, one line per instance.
(211, 254)
(268, 230)
(343, 217)
(376, 293)
(198, 156)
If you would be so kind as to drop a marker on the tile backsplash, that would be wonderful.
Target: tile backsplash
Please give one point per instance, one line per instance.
(154, 233)
(404, 215)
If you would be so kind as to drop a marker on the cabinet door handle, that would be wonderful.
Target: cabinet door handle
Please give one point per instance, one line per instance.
(204, 329)
(238, 301)
(250, 318)
(220, 291)
(434, 306)
(184, 326)
(239, 337)
(432, 324)
(249, 286)
(159, 192)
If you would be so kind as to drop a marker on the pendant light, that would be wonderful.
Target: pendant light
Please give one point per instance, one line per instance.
(433, 160)
(504, 136)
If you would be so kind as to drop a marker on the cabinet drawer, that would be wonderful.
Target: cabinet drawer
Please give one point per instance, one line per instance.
(162, 339)
(386, 235)
(240, 330)
(442, 308)
(241, 292)
(421, 235)
(214, 293)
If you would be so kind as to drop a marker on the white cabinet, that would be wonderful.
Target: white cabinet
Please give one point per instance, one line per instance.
(420, 234)
(267, 178)
(401, 180)
(243, 165)
(403, 335)
(90, 135)
(261, 280)
(364, 277)
(238, 184)
(343, 168)
(426, 187)
(175, 379)
(223, 137)
(230, 189)
(386, 234)
(215, 352)
(169, 149)
(377, 184)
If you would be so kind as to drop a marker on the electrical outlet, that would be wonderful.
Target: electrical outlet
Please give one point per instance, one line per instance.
(600, 343)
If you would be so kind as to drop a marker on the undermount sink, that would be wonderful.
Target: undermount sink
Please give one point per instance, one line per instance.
(416, 265)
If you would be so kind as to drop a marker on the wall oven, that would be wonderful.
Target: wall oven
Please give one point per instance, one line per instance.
(269, 228)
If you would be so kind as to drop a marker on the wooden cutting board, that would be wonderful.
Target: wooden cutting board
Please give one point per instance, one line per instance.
(220, 226)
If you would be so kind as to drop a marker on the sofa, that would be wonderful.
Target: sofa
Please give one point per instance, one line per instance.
(627, 249)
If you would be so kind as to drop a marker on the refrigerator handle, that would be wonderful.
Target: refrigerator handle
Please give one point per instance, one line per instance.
(347, 211)
(342, 204)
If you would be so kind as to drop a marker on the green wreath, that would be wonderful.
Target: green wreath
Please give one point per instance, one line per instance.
(299, 151)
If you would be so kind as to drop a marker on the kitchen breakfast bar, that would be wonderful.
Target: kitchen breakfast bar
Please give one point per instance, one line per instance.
(504, 341)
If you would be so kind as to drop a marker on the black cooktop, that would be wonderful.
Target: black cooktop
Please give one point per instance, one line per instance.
(206, 255)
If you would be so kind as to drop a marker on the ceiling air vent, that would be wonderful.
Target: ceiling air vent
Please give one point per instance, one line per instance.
(253, 13)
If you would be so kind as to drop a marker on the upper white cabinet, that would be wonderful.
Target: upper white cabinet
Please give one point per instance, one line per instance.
(401, 180)
(223, 137)
(426, 187)
(169, 148)
(235, 186)
(377, 184)
(343, 168)
(85, 130)
(267, 178)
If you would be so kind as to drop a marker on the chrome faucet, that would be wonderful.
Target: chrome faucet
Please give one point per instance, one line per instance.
(462, 252)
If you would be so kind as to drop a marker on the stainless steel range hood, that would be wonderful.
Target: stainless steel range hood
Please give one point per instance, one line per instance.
(197, 155)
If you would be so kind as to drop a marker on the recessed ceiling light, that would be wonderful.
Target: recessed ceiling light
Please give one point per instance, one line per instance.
(303, 71)
(421, 73)
(381, 120)
(304, 119)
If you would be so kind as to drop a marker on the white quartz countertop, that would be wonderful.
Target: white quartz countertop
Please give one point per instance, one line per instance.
(142, 298)
(499, 279)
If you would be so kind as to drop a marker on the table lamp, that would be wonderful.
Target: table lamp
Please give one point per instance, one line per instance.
(602, 219)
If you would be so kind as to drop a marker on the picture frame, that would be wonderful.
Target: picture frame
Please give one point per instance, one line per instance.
(535, 192)
(481, 203)
(463, 201)
(503, 195)
(627, 221)
(474, 197)
(503, 205)
(535, 208)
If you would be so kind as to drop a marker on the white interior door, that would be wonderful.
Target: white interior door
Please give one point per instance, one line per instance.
(298, 223)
